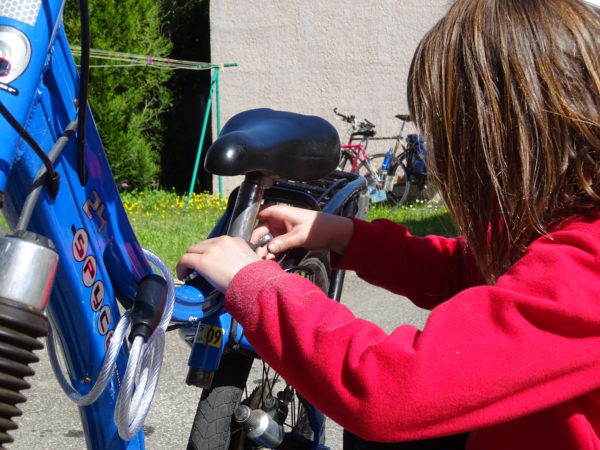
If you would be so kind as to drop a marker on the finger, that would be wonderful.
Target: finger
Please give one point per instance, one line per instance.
(184, 266)
(259, 232)
(270, 257)
(265, 206)
(262, 252)
(199, 247)
(271, 211)
(285, 242)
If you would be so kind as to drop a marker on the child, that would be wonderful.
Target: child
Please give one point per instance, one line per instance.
(507, 94)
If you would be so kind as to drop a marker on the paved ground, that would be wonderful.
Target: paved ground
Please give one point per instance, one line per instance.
(50, 421)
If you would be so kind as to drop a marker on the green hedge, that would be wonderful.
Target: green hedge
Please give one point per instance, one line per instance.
(127, 102)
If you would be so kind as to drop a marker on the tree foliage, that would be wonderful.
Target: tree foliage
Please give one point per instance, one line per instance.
(127, 102)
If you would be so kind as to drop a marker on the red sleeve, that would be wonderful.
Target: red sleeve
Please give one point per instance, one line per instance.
(485, 356)
(427, 270)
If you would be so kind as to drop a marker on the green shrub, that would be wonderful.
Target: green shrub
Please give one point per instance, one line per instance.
(127, 102)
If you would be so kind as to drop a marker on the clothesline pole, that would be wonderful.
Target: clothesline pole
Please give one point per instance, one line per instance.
(216, 92)
(202, 136)
(218, 105)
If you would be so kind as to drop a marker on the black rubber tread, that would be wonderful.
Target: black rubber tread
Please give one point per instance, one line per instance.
(299, 257)
(23, 319)
(11, 396)
(20, 328)
(6, 424)
(345, 164)
(420, 189)
(211, 429)
(12, 336)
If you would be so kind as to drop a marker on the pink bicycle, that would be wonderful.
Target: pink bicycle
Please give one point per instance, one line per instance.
(386, 175)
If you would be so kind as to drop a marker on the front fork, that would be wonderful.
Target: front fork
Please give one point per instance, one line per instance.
(28, 265)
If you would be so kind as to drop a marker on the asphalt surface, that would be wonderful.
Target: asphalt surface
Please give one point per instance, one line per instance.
(51, 421)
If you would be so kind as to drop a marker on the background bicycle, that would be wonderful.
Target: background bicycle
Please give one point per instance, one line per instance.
(411, 151)
(386, 174)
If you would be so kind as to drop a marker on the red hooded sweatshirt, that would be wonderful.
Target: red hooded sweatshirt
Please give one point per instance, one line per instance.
(516, 364)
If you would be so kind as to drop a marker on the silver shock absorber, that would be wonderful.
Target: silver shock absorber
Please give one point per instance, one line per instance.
(28, 265)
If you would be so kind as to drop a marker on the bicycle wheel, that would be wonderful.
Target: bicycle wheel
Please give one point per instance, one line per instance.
(249, 381)
(389, 186)
(345, 164)
(420, 189)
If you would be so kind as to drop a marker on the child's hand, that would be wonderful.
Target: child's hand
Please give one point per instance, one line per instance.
(296, 227)
(218, 260)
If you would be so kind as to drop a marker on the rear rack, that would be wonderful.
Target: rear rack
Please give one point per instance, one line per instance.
(335, 194)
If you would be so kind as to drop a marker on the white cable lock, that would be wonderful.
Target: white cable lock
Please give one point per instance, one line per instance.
(143, 366)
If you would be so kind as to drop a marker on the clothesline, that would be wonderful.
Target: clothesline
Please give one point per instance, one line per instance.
(121, 59)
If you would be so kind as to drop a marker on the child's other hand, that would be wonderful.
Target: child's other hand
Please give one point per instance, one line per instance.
(218, 260)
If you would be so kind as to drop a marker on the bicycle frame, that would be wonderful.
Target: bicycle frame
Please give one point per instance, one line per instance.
(100, 257)
(362, 131)
(399, 146)
(356, 152)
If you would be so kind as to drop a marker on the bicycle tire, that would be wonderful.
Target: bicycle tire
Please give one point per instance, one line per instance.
(396, 190)
(345, 164)
(213, 427)
(420, 189)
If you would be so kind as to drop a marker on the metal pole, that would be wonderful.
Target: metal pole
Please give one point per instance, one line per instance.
(218, 106)
(201, 142)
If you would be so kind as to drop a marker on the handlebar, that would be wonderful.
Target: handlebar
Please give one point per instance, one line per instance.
(358, 126)
(345, 118)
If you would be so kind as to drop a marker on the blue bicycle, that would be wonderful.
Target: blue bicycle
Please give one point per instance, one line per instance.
(71, 262)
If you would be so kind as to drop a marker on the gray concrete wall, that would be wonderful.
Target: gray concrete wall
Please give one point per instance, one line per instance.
(309, 57)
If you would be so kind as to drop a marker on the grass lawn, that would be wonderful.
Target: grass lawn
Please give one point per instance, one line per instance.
(421, 218)
(164, 225)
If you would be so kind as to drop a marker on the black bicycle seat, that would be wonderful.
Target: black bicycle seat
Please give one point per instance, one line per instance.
(284, 144)
(403, 117)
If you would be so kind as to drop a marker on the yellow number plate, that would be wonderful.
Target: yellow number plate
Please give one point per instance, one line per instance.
(209, 335)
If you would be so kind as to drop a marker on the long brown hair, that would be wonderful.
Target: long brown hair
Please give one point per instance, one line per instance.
(507, 94)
